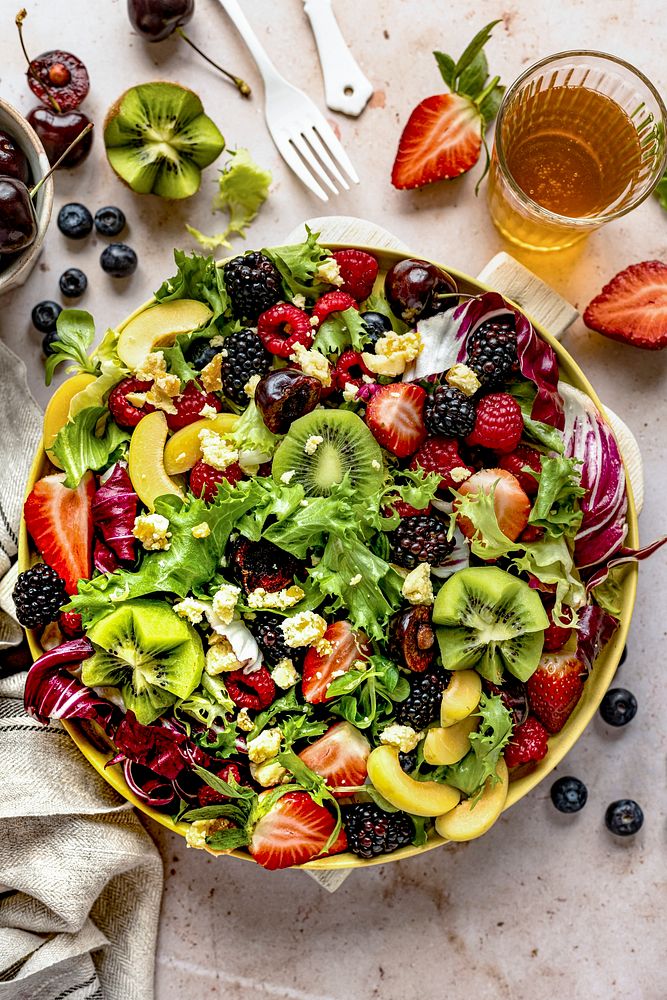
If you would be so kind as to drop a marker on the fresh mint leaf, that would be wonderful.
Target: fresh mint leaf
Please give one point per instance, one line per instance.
(90, 441)
(298, 264)
(243, 187)
(487, 744)
(230, 788)
(76, 332)
(228, 840)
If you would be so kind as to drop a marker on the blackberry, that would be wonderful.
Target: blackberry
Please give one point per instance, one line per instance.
(201, 353)
(422, 705)
(243, 356)
(492, 351)
(39, 595)
(371, 831)
(254, 285)
(450, 412)
(268, 633)
(421, 538)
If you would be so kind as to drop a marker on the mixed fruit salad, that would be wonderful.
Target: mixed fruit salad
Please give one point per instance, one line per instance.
(324, 556)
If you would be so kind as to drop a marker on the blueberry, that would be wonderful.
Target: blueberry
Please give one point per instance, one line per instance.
(44, 316)
(569, 795)
(377, 326)
(118, 260)
(624, 656)
(618, 707)
(624, 817)
(47, 342)
(75, 221)
(109, 221)
(408, 761)
(73, 283)
(201, 353)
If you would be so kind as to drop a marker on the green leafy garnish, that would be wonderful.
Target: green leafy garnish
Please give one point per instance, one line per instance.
(76, 332)
(341, 331)
(550, 560)
(556, 506)
(196, 277)
(297, 264)
(252, 434)
(316, 787)
(243, 187)
(487, 743)
(92, 440)
(365, 695)
(488, 541)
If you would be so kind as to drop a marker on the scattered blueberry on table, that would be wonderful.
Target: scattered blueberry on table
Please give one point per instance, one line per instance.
(73, 283)
(624, 817)
(569, 794)
(45, 315)
(118, 260)
(618, 707)
(109, 221)
(75, 221)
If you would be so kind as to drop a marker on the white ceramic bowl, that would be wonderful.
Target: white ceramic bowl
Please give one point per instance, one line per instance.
(13, 122)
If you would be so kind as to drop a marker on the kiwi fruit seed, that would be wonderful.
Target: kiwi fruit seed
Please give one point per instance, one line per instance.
(346, 447)
(148, 652)
(491, 621)
(158, 139)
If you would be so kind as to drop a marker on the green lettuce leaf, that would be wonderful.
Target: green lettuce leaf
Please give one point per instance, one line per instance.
(487, 744)
(76, 332)
(609, 594)
(243, 187)
(550, 560)
(488, 541)
(341, 331)
(556, 506)
(91, 441)
(196, 278)
(252, 434)
(297, 264)
(544, 434)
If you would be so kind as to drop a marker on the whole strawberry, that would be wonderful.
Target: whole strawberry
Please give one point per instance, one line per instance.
(555, 688)
(528, 743)
(445, 133)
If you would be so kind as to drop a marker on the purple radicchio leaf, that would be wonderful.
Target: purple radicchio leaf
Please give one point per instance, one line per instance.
(148, 786)
(114, 511)
(163, 749)
(104, 558)
(623, 555)
(594, 630)
(52, 692)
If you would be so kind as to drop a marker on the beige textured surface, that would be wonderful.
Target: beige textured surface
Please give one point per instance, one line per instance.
(543, 906)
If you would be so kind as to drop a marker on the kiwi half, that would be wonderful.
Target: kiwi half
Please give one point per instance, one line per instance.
(347, 447)
(491, 621)
(148, 652)
(158, 139)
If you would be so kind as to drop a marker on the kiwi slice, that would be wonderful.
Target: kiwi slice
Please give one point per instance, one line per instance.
(148, 652)
(158, 139)
(347, 446)
(491, 621)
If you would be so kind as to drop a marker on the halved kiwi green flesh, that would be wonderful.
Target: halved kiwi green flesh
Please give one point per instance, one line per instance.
(491, 621)
(148, 652)
(158, 139)
(347, 447)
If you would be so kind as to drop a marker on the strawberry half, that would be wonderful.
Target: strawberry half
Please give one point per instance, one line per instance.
(60, 521)
(555, 688)
(340, 757)
(395, 417)
(319, 669)
(444, 134)
(510, 503)
(294, 830)
(632, 307)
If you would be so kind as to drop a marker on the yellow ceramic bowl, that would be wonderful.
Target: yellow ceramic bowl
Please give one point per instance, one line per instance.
(594, 689)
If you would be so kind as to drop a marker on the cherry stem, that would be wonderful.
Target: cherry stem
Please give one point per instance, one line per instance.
(240, 84)
(19, 19)
(60, 159)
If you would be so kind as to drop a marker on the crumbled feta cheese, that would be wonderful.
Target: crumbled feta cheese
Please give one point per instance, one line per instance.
(402, 737)
(216, 450)
(312, 363)
(299, 301)
(459, 473)
(287, 477)
(269, 773)
(350, 392)
(251, 385)
(136, 398)
(201, 530)
(303, 629)
(152, 531)
(417, 587)
(281, 599)
(192, 609)
(356, 579)
(376, 465)
(244, 722)
(164, 387)
(197, 832)
(284, 674)
(324, 647)
(210, 375)
(153, 367)
(224, 602)
(221, 658)
(304, 503)
(265, 746)
(463, 378)
(208, 412)
(314, 321)
(329, 271)
(312, 444)
(394, 353)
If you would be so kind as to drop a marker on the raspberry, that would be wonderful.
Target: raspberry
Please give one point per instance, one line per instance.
(528, 743)
(449, 412)
(254, 285)
(225, 769)
(70, 623)
(204, 479)
(253, 691)
(358, 271)
(262, 564)
(189, 406)
(498, 424)
(283, 326)
(125, 413)
(333, 302)
(350, 367)
(441, 455)
(404, 509)
(515, 462)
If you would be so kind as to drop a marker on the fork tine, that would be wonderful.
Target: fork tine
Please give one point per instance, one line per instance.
(293, 160)
(313, 139)
(311, 160)
(335, 147)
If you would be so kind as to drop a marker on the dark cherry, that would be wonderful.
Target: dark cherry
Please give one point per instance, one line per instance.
(284, 395)
(18, 222)
(56, 132)
(58, 76)
(416, 289)
(413, 635)
(155, 20)
(13, 161)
